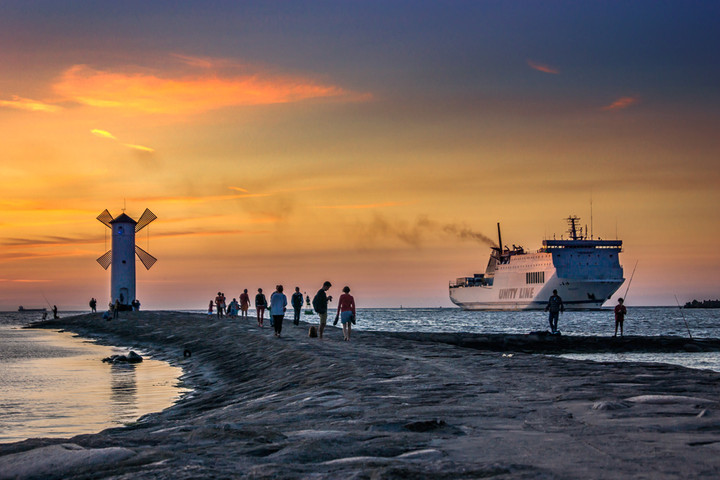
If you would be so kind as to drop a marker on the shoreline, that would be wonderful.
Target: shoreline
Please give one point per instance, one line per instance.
(385, 405)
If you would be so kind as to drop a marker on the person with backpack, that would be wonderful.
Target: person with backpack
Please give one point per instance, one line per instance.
(320, 303)
(260, 306)
(297, 303)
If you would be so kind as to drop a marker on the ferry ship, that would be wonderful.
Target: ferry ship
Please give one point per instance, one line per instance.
(585, 272)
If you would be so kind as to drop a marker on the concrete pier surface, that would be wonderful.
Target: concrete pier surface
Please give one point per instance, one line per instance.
(387, 406)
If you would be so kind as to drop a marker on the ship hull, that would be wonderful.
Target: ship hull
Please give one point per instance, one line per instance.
(576, 295)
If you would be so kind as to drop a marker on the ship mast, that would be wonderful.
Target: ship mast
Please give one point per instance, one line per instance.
(572, 228)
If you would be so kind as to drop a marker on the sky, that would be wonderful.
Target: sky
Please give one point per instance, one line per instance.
(375, 144)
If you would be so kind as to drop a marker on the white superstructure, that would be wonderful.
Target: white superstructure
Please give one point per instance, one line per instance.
(585, 272)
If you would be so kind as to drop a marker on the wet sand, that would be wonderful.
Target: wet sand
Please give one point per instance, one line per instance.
(409, 405)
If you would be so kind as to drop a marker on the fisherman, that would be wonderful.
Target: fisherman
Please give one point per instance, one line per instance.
(554, 306)
(620, 312)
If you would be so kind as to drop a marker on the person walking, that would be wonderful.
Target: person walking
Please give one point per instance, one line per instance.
(93, 305)
(346, 312)
(320, 303)
(244, 304)
(218, 304)
(554, 306)
(297, 303)
(620, 312)
(260, 306)
(278, 305)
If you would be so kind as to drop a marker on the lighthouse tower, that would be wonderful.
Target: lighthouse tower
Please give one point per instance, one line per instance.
(122, 255)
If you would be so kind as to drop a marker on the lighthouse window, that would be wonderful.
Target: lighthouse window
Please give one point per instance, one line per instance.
(535, 277)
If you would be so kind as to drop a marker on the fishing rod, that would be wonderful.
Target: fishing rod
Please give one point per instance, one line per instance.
(630, 282)
(46, 300)
(683, 316)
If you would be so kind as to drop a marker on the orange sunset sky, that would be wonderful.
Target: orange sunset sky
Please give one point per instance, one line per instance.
(367, 143)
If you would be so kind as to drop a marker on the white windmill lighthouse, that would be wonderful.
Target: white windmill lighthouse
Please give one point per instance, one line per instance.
(122, 254)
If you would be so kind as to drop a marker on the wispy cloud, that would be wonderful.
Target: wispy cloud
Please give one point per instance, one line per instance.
(543, 68)
(22, 280)
(58, 241)
(238, 189)
(105, 134)
(140, 148)
(621, 103)
(198, 199)
(362, 206)
(50, 240)
(152, 92)
(20, 103)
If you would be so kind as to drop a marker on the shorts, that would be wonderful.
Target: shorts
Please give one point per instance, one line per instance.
(244, 308)
(323, 318)
(346, 317)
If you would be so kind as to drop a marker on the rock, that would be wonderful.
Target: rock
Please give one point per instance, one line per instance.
(131, 357)
(668, 399)
(134, 357)
(608, 405)
(59, 461)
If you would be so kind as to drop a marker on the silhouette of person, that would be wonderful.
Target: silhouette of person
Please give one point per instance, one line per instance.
(54, 310)
(346, 311)
(244, 303)
(554, 306)
(260, 306)
(297, 303)
(278, 305)
(620, 312)
(320, 303)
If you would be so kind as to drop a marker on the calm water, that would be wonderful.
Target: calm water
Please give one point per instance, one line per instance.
(55, 385)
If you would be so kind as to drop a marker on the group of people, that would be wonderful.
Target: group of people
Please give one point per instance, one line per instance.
(555, 305)
(277, 306)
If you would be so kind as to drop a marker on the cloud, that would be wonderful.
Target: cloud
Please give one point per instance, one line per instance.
(110, 136)
(140, 148)
(23, 280)
(239, 189)
(29, 105)
(150, 92)
(357, 207)
(621, 103)
(50, 240)
(103, 134)
(198, 199)
(543, 68)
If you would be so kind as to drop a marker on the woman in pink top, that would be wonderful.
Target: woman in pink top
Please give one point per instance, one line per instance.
(346, 312)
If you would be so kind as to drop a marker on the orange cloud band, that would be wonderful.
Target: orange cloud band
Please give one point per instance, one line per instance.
(154, 94)
(621, 103)
(20, 103)
(543, 68)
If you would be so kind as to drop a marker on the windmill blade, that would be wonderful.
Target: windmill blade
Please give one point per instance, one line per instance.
(105, 218)
(106, 259)
(146, 259)
(144, 220)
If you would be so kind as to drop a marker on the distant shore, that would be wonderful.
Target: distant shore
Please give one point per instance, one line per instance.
(400, 405)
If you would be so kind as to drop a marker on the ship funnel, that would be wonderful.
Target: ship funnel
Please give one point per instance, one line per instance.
(500, 247)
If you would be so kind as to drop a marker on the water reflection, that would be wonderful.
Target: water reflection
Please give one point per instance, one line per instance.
(123, 393)
(55, 385)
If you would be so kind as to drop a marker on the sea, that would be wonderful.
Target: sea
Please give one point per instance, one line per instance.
(54, 384)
